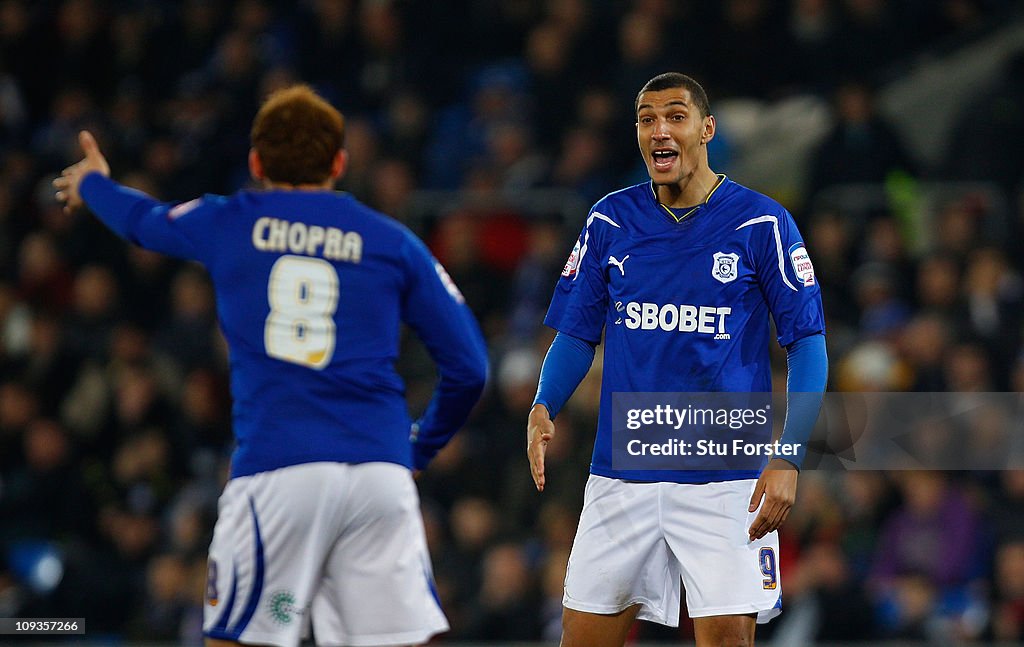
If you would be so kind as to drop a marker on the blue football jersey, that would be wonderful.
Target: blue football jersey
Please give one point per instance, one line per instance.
(312, 288)
(684, 304)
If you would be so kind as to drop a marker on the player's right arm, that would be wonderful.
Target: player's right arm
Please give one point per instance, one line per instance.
(565, 365)
(130, 214)
(578, 310)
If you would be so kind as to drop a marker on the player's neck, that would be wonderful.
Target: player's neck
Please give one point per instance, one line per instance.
(690, 191)
(282, 186)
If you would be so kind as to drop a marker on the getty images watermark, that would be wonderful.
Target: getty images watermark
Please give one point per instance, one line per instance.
(890, 431)
(693, 431)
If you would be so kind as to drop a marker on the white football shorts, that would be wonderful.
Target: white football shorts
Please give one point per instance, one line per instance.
(637, 542)
(332, 546)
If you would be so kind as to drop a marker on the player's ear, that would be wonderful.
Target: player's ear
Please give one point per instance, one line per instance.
(709, 129)
(256, 166)
(339, 164)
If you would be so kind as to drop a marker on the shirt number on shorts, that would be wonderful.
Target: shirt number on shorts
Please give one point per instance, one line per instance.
(769, 568)
(303, 296)
(211, 583)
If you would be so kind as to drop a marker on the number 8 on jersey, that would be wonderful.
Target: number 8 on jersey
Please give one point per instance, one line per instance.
(303, 297)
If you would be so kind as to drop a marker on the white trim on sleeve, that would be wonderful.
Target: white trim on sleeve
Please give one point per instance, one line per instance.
(778, 243)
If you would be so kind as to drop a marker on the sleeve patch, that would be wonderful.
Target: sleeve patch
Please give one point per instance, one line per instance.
(802, 266)
(448, 283)
(573, 263)
(180, 210)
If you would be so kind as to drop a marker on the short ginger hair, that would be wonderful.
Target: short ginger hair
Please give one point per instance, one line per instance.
(297, 134)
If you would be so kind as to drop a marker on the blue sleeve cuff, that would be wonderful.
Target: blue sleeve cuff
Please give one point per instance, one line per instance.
(806, 379)
(115, 205)
(566, 364)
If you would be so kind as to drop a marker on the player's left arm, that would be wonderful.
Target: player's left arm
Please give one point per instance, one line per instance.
(131, 214)
(787, 281)
(806, 379)
(433, 306)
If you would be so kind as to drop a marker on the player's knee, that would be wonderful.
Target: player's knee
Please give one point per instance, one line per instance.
(569, 622)
(725, 632)
(734, 639)
(582, 629)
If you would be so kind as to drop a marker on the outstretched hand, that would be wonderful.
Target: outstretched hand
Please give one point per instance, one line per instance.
(71, 178)
(777, 485)
(539, 432)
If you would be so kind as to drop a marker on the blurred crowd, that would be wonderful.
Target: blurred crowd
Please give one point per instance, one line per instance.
(114, 406)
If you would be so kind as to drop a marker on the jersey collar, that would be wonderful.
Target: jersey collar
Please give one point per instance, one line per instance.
(673, 213)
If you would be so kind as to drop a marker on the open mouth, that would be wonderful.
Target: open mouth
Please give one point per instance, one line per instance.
(664, 158)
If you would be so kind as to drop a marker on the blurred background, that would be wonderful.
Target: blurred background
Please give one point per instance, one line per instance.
(892, 130)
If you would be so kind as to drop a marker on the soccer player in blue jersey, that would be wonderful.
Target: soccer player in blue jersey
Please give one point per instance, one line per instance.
(680, 274)
(319, 524)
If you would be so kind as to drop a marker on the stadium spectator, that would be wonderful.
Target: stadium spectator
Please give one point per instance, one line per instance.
(1008, 612)
(862, 146)
(987, 132)
(932, 540)
(506, 606)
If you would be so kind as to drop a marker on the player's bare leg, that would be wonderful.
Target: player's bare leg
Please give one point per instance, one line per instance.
(725, 631)
(213, 642)
(581, 629)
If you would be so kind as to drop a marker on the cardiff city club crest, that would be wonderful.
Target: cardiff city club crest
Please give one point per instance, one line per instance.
(724, 267)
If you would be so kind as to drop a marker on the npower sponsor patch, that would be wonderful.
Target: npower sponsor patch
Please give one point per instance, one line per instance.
(802, 266)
